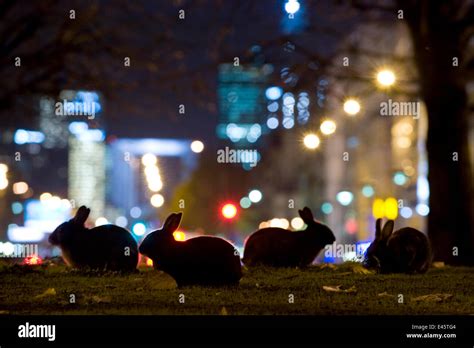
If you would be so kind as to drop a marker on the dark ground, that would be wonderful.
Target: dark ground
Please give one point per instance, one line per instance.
(47, 290)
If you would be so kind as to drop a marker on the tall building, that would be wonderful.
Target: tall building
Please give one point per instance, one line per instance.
(86, 179)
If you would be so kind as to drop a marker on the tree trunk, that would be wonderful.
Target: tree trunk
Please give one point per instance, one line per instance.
(436, 41)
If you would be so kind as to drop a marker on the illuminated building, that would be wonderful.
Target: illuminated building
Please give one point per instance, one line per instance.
(86, 179)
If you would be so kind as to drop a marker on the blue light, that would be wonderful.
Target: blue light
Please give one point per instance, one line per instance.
(368, 191)
(406, 212)
(23, 136)
(273, 93)
(422, 209)
(399, 178)
(78, 127)
(139, 229)
(17, 208)
(326, 208)
(272, 122)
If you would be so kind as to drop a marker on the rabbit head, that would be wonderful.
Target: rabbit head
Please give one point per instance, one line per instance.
(161, 238)
(378, 251)
(68, 229)
(321, 232)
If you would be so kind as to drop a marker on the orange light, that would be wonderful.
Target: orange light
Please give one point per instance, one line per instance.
(229, 211)
(149, 262)
(33, 260)
(179, 236)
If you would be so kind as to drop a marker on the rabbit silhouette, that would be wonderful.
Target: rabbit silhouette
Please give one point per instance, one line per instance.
(106, 247)
(406, 250)
(278, 247)
(204, 260)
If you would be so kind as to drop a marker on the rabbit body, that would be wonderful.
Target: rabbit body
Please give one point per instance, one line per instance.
(404, 251)
(278, 247)
(104, 247)
(205, 260)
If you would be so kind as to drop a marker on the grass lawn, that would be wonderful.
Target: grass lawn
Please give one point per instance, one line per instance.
(48, 289)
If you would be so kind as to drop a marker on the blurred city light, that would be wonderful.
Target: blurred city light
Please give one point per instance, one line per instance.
(386, 78)
(197, 146)
(229, 211)
(101, 221)
(378, 208)
(32, 260)
(20, 188)
(326, 208)
(292, 6)
(297, 223)
(422, 209)
(345, 197)
(23, 136)
(368, 191)
(149, 159)
(391, 208)
(399, 178)
(351, 106)
(406, 212)
(328, 127)
(272, 122)
(179, 236)
(135, 212)
(121, 221)
(273, 93)
(311, 141)
(45, 196)
(157, 200)
(8, 248)
(78, 127)
(255, 196)
(139, 229)
(245, 202)
(17, 208)
(3, 182)
(23, 234)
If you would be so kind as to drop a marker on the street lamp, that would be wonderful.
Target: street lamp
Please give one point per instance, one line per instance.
(292, 6)
(351, 106)
(328, 127)
(386, 78)
(311, 141)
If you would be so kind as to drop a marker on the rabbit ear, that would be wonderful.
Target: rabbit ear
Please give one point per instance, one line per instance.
(378, 228)
(81, 215)
(387, 229)
(306, 215)
(172, 222)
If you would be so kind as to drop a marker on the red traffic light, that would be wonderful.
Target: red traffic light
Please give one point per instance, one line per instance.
(229, 211)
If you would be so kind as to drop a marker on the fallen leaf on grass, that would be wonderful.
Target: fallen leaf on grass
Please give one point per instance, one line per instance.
(438, 264)
(432, 298)
(98, 299)
(338, 288)
(385, 294)
(327, 265)
(359, 269)
(48, 292)
(224, 311)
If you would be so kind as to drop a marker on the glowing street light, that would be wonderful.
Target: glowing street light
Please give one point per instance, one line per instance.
(255, 196)
(386, 78)
(328, 127)
(197, 146)
(311, 141)
(229, 211)
(149, 159)
(179, 236)
(292, 6)
(157, 200)
(351, 107)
